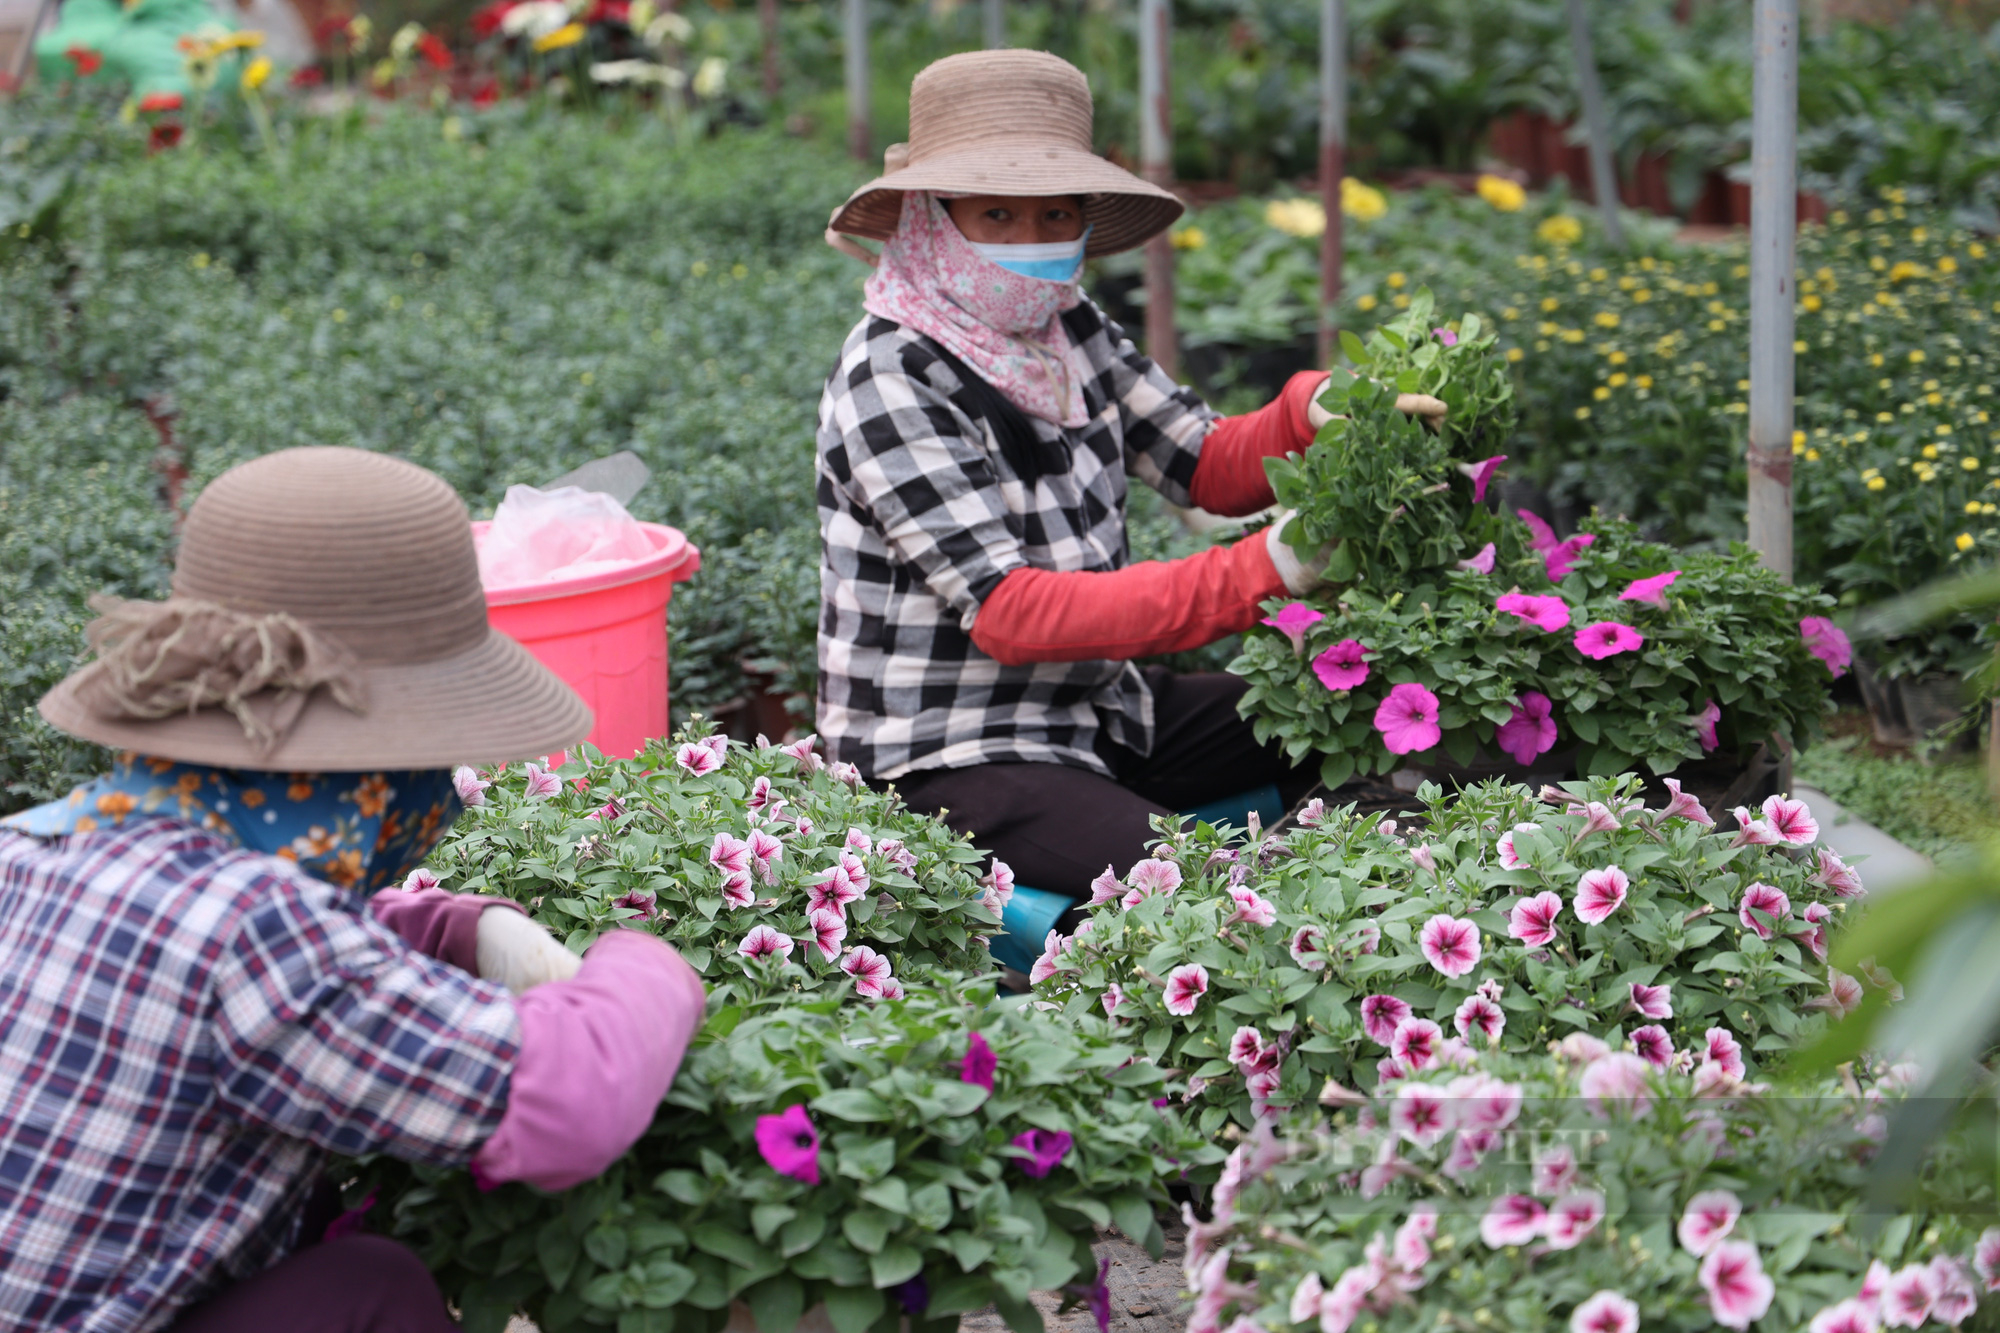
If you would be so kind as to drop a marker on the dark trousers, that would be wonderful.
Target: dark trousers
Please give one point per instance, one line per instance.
(356, 1284)
(1057, 827)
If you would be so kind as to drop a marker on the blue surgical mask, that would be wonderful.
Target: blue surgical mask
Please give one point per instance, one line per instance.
(1058, 261)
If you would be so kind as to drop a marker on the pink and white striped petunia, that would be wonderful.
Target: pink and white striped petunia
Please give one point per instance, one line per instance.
(541, 782)
(1762, 898)
(856, 872)
(1513, 1219)
(1709, 1217)
(1653, 1001)
(831, 892)
(828, 929)
(764, 942)
(1849, 1316)
(1724, 1051)
(1533, 920)
(1251, 908)
(859, 842)
(1114, 995)
(1739, 1290)
(802, 750)
(1450, 944)
(1814, 935)
(1652, 1044)
(1908, 1296)
(1105, 888)
(1957, 1297)
(1792, 821)
(1305, 1298)
(1572, 1217)
(869, 969)
(1836, 875)
(1050, 961)
(759, 798)
(998, 882)
(1308, 947)
(697, 759)
(1380, 1015)
(1154, 875)
(766, 851)
(1553, 1170)
(1186, 985)
(1681, 805)
(1617, 1082)
(1652, 591)
(1509, 849)
(1414, 1043)
(1420, 1114)
(1986, 1258)
(1597, 818)
(1752, 831)
(1479, 1014)
(1600, 893)
(471, 788)
(1246, 1047)
(1843, 994)
(729, 854)
(423, 877)
(737, 890)
(1605, 1312)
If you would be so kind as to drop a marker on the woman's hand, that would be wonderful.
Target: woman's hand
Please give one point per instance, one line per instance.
(518, 953)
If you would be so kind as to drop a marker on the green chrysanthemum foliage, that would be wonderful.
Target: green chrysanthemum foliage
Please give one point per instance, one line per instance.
(923, 1202)
(653, 842)
(1579, 1192)
(1322, 939)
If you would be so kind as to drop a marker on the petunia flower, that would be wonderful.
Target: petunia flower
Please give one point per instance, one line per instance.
(1653, 1001)
(1513, 1219)
(1791, 820)
(1826, 641)
(1293, 621)
(1652, 1044)
(1572, 1217)
(729, 854)
(789, 1143)
(1533, 920)
(1652, 591)
(856, 872)
(1739, 1290)
(1558, 559)
(1045, 1149)
(1485, 1104)
(1597, 818)
(1607, 638)
(1314, 813)
(1251, 908)
(420, 879)
(1154, 875)
(1424, 858)
(1617, 1082)
(737, 890)
(1380, 1015)
(1482, 563)
(1186, 985)
(697, 759)
(1450, 944)
(979, 1064)
(998, 881)
(832, 892)
(1762, 898)
(1848, 1316)
(1704, 724)
(1723, 1051)
(1957, 1297)
(1105, 888)
(1114, 995)
(1753, 832)
(765, 853)
(1510, 857)
(1986, 1258)
(896, 854)
(1305, 1298)
(1680, 805)
(1342, 666)
(1553, 1170)
(829, 930)
(1050, 962)
(1843, 994)
(802, 750)
(1709, 1217)
(764, 942)
(1540, 535)
(470, 788)
(1836, 876)
(1481, 474)
(868, 968)
(842, 771)
(1599, 893)
(1408, 719)
(541, 782)
(1308, 947)
(1908, 1296)
(1414, 1044)
(1531, 731)
(1246, 1047)
(1445, 336)
(1581, 1048)
(1605, 1312)
(1547, 614)
(1478, 1014)
(1419, 1114)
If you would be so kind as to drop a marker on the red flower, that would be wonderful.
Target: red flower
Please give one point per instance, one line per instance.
(610, 11)
(165, 135)
(486, 94)
(434, 51)
(307, 76)
(152, 102)
(87, 61)
(330, 27)
(486, 19)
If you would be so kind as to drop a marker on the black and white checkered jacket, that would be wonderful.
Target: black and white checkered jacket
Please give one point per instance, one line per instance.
(922, 511)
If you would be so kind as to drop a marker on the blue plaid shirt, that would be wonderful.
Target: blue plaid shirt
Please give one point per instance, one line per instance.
(187, 1030)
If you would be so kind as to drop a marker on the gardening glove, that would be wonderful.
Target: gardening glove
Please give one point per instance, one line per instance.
(1422, 406)
(1301, 576)
(518, 953)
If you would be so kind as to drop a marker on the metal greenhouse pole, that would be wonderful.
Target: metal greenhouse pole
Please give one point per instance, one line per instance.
(996, 24)
(1603, 177)
(1156, 163)
(1332, 164)
(855, 24)
(767, 21)
(1773, 237)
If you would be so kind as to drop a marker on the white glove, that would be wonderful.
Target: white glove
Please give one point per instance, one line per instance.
(1422, 405)
(1300, 576)
(518, 953)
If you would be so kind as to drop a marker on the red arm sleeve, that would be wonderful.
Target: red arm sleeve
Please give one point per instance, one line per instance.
(1157, 606)
(1229, 478)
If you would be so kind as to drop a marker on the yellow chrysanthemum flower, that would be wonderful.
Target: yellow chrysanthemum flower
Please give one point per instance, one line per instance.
(1876, 484)
(1190, 238)
(1362, 202)
(569, 34)
(1605, 319)
(1366, 301)
(1296, 217)
(1964, 541)
(255, 73)
(1560, 229)
(1503, 194)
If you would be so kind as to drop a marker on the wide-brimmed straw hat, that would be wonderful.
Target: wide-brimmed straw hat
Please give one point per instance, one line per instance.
(326, 614)
(1009, 123)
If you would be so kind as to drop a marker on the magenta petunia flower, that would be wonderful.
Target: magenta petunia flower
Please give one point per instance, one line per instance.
(1600, 893)
(1852, 1315)
(1450, 944)
(1481, 1015)
(1445, 336)
(829, 931)
(790, 1144)
(1681, 805)
(1531, 731)
(1739, 1290)
(1709, 1217)
(1547, 614)
(1481, 474)
(1540, 535)
(1653, 1001)
(764, 942)
(1513, 1219)
(1533, 920)
(1704, 724)
(1558, 558)
(1607, 638)
(1723, 1051)
(1343, 666)
(1293, 621)
(1414, 1044)
(1408, 719)
(541, 782)
(697, 759)
(1186, 985)
(1045, 1149)
(979, 1063)
(1481, 563)
(1605, 1312)
(1654, 1045)
(1826, 641)
(1791, 820)
(1762, 898)
(1419, 1114)
(1652, 591)
(1380, 1016)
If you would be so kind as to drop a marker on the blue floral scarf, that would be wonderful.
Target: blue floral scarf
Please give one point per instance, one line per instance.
(361, 831)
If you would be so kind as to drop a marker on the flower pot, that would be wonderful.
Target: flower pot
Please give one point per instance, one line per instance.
(1932, 703)
(1884, 702)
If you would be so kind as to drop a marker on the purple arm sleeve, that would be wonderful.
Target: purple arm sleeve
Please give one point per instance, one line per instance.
(598, 1052)
(432, 921)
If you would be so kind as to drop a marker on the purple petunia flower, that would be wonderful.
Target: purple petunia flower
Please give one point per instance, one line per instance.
(1045, 1148)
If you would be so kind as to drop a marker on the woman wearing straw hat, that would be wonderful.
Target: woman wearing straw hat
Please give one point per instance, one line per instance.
(198, 999)
(979, 612)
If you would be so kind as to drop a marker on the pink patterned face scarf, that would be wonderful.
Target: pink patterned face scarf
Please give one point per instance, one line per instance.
(1005, 326)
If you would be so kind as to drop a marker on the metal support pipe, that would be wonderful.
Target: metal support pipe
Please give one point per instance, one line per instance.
(1332, 166)
(1773, 236)
(996, 24)
(24, 59)
(1156, 163)
(860, 138)
(767, 19)
(1603, 175)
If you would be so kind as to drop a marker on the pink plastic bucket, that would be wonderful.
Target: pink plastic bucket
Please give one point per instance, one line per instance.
(605, 634)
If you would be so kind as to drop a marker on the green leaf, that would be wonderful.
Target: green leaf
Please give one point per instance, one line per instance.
(1021, 1315)
(606, 1245)
(971, 1251)
(867, 1228)
(958, 1293)
(766, 1218)
(646, 1321)
(895, 1264)
(891, 1195)
(854, 1104)
(854, 1309)
(930, 1206)
(776, 1303)
(733, 1246)
(667, 1284)
(801, 1234)
(557, 1249)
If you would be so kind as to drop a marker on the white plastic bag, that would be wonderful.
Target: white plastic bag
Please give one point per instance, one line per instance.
(539, 536)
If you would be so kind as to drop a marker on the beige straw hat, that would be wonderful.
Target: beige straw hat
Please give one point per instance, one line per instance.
(326, 614)
(1008, 123)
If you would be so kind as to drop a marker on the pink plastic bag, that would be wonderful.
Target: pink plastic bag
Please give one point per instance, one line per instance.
(538, 536)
